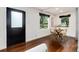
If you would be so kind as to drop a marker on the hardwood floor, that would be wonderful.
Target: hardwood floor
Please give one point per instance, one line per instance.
(69, 45)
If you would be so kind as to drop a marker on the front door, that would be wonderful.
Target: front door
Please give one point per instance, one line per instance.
(15, 26)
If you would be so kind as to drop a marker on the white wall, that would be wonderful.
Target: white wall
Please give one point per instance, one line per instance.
(2, 28)
(33, 30)
(71, 30)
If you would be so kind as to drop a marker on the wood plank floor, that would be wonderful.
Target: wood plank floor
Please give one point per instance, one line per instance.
(69, 45)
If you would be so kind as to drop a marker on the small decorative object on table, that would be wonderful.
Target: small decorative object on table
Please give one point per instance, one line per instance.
(59, 35)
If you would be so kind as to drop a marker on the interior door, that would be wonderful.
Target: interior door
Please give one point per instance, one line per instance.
(15, 26)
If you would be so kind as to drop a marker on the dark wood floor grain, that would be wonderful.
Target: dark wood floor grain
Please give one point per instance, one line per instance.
(68, 45)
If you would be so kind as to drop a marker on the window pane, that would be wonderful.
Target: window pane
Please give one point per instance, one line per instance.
(65, 21)
(16, 19)
(43, 21)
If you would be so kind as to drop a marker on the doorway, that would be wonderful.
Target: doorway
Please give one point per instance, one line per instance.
(15, 26)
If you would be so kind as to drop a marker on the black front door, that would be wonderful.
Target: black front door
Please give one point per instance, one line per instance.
(15, 26)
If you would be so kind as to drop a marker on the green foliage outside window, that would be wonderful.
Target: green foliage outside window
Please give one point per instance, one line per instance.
(65, 21)
(43, 21)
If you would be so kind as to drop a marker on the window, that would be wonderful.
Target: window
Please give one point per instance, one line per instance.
(44, 20)
(16, 19)
(65, 20)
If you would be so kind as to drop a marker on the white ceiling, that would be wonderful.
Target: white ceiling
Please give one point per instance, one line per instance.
(56, 10)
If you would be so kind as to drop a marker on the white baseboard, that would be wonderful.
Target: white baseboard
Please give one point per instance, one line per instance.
(27, 40)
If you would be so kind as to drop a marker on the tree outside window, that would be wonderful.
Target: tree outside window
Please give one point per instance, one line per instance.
(44, 21)
(65, 20)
